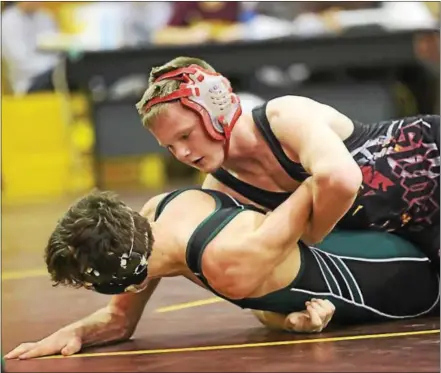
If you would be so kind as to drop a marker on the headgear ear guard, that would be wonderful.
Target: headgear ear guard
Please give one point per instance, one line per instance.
(208, 94)
(132, 271)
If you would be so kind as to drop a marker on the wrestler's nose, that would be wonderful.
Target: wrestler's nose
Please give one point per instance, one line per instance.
(182, 153)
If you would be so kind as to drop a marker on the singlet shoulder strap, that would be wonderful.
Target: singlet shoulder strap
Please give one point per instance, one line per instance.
(169, 197)
(262, 197)
(221, 199)
(293, 169)
(204, 233)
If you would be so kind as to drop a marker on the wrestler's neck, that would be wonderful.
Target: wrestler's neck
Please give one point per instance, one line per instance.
(244, 144)
(167, 258)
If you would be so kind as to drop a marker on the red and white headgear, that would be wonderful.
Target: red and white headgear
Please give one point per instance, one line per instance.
(207, 93)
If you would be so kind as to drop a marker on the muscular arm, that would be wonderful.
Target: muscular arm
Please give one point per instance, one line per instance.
(113, 323)
(117, 321)
(286, 224)
(303, 127)
(240, 266)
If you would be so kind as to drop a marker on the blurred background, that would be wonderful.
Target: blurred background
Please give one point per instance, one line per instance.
(73, 71)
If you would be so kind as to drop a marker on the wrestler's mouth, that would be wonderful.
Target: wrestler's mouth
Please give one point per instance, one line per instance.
(198, 161)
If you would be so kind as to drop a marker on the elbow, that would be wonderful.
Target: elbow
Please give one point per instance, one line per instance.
(126, 334)
(342, 180)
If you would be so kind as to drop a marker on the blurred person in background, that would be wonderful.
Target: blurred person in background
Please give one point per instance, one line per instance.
(144, 19)
(113, 25)
(23, 23)
(194, 22)
(383, 176)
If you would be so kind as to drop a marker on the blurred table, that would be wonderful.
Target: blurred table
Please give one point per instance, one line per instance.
(376, 48)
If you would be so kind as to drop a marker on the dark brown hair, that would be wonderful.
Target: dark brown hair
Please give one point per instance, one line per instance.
(94, 233)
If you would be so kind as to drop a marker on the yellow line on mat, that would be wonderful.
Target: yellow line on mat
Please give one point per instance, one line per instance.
(25, 273)
(180, 306)
(38, 272)
(250, 345)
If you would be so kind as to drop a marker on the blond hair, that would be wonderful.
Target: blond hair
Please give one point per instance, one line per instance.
(164, 87)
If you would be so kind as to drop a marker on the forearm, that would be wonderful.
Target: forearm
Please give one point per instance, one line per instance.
(332, 197)
(132, 305)
(246, 264)
(286, 224)
(115, 322)
(319, 145)
(103, 326)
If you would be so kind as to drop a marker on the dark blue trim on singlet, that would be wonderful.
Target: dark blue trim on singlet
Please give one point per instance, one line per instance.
(262, 197)
(204, 233)
(293, 169)
(226, 208)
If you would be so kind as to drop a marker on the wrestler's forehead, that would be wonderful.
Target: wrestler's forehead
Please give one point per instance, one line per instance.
(167, 131)
(171, 123)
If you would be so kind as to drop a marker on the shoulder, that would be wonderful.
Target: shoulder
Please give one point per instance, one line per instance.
(149, 208)
(303, 113)
(290, 104)
(187, 198)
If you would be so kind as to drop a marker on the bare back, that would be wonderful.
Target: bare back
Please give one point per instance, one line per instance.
(184, 214)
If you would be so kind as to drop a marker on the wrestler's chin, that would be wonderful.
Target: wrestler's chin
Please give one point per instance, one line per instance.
(207, 165)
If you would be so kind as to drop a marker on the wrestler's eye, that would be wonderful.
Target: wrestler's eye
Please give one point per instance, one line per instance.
(185, 136)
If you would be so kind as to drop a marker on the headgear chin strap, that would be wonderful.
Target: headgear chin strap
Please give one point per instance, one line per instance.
(208, 94)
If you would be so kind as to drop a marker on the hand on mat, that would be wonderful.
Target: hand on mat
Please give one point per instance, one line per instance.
(64, 341)
(314, 319)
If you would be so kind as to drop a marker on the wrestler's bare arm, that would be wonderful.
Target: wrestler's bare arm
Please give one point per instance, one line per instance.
(303, 126)
(240, 266)
(115, 322)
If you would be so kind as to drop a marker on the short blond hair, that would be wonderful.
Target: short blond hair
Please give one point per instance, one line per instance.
(164, 87)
